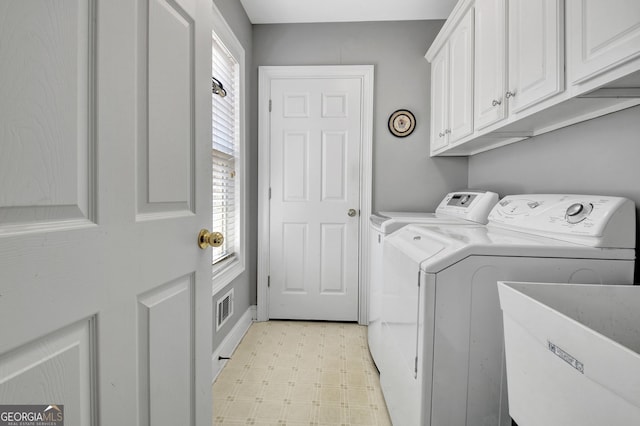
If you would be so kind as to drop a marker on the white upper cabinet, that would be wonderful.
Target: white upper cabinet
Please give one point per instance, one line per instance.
(518, 81)
(536, 53)
(461, 84)
(490, 62)
(601, 35)
(452, 87)
(440, 100)
(519, 56)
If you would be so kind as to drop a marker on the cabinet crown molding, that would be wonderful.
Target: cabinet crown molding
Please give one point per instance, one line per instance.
(450, 24)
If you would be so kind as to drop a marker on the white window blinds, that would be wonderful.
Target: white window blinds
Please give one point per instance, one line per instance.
(226, 128)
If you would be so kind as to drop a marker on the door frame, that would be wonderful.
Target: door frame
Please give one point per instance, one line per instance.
(265, 75)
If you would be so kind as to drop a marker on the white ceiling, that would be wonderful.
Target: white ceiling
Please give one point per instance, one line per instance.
(292, 11)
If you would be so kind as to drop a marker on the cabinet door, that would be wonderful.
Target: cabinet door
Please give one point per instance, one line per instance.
(490, 65)
(439, 99)
(601, 34)
(536, 65)
(461, 75)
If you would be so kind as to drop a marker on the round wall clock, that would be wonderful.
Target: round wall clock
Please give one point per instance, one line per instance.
(401, 123)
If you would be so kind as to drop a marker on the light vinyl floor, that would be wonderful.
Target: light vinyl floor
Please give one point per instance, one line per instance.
(298, 373)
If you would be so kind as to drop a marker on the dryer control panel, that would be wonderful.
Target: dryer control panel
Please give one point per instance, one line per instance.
(468, 205)
(598, 221)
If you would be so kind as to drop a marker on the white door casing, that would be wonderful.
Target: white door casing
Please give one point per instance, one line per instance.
(105, 297)
(309, 247)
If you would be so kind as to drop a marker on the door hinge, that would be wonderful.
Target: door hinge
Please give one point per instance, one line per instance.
(270, 105)
(416, 368)
(268, 281)
(418, 279)
(269, 192)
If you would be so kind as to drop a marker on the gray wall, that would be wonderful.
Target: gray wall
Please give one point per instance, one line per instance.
(405, 178)
(244, 285)
(600, 157)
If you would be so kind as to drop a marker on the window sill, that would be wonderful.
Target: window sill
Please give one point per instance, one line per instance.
(225, 272)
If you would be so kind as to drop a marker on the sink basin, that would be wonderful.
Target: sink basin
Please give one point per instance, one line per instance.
(572, 353)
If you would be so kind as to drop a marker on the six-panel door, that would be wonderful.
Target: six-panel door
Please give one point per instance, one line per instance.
(105, 298)
(316, 132)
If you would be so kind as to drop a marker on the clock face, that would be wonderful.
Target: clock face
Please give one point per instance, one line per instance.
(402, 123)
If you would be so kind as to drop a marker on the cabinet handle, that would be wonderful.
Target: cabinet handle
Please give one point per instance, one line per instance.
(509, 95)
(441, 134)
(496, 102)
(448, 131)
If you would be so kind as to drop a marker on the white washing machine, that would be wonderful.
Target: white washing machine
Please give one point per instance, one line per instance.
(456, 208)
(443, 358)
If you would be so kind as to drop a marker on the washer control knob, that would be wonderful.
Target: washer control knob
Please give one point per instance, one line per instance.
(465, 199)
(578, 212)
(575, 209)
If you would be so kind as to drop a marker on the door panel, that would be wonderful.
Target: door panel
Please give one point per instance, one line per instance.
(295, 166)
(47, 64)
(166, 143)
(68, 355)
(166, 363)
(294, 250)
(170, 77)
(332, 255)
(315, 166)
(296, 105)
(334, 105)
(334, 164)
(105, 117)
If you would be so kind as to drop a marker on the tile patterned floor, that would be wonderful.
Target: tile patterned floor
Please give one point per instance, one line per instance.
(297, 373)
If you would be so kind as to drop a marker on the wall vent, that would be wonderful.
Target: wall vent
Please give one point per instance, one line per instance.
(224, 309)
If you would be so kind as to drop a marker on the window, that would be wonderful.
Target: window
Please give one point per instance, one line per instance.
(227, 121)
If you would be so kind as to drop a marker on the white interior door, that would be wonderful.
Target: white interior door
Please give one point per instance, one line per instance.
(105, 297)
(315, 138)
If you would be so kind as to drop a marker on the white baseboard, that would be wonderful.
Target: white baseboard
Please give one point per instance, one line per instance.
(231, 341)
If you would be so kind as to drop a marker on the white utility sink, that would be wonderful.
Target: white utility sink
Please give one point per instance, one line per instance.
(572, 353)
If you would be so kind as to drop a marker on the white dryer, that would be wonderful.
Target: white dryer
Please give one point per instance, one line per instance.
(443, 359)
(467, 207)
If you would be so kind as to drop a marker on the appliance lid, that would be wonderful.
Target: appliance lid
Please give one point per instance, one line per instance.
(414, 245)
(388, 222)
(460, 242)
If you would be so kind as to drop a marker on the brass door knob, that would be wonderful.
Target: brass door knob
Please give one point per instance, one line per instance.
(206, 239)
(351, 212)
